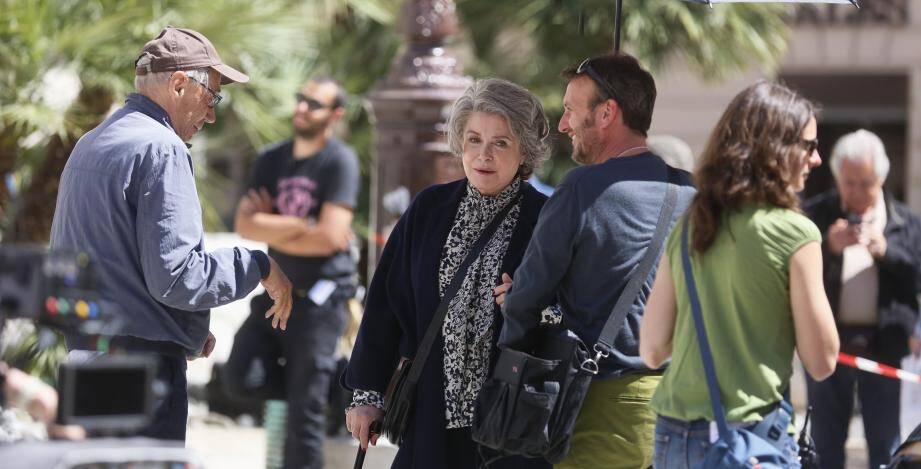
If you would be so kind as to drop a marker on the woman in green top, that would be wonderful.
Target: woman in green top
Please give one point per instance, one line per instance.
(758, 265)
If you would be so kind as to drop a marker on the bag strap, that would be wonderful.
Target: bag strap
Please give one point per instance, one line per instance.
(705, 354)
(605, 343)
(422, 353)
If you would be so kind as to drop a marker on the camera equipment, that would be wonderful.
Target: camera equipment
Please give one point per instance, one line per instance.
(89, 399)
(54, 289)
(59, 289)
(808, 455)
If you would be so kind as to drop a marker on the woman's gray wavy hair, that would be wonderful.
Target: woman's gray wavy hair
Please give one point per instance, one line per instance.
(520, 109)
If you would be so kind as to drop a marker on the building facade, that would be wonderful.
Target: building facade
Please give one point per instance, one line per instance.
(863, 67)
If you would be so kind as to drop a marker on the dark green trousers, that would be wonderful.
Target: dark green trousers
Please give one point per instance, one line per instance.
(616, 427)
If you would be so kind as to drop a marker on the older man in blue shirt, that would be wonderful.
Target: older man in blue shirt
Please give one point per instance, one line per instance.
(127, 198)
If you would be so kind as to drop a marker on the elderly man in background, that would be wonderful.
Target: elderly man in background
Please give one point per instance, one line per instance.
(872, 257)
(127, 198)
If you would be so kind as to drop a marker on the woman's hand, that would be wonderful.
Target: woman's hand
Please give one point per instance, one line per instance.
(358, 420)
(500, 291)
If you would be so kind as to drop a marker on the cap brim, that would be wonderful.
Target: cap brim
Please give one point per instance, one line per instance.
(229, 74)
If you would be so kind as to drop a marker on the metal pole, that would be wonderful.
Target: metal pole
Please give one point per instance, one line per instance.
(618, 4)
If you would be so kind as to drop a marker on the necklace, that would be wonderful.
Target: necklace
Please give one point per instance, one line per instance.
(631, 149)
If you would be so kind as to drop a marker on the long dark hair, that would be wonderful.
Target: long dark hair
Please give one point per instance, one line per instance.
(753, 156)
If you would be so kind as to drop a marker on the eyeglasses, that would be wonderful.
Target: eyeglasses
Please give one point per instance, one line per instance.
(810, 145)
(311, 103)
(215, 96)
(586, 68)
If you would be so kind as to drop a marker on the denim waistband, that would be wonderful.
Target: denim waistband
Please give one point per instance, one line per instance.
(698, 427)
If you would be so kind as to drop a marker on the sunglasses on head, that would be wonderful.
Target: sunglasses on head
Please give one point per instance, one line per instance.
(311, 102)
(586, 68)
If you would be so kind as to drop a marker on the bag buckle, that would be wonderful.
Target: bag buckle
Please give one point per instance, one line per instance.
(591, 364)
(600, 353)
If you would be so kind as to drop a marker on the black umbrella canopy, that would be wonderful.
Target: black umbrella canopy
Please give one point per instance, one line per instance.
(619, 4)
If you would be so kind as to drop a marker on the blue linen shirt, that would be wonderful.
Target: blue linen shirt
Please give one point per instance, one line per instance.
(127, 198)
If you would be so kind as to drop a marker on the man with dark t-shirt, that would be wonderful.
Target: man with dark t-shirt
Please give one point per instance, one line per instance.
(300, 202)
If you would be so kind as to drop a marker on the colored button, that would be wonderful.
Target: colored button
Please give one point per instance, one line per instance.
(51, 306)
(63, 306)
(102, 344)
(70, 280)
(94, 309)
(82, 309)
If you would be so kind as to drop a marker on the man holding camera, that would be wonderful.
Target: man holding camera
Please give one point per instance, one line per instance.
(127, 198)
(872, 265)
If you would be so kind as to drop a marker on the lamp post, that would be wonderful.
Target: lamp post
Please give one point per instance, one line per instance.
(410, 107)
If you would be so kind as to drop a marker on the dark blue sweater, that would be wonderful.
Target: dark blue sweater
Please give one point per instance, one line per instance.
(590, 238)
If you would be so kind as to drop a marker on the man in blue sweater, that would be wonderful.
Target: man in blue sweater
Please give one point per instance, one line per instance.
(127, 198)
(588, 241)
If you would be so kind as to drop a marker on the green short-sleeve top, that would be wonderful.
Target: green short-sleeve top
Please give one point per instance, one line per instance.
(743, 282)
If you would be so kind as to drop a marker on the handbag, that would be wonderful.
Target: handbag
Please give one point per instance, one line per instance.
(401, 392)
(529, 405)
(740, 447)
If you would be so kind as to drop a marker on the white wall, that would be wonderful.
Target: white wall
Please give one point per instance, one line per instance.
(688, 108)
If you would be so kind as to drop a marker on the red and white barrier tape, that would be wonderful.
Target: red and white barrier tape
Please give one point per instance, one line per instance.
(871, 366)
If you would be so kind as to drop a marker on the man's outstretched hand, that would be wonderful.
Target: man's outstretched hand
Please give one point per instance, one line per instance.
(278, 287)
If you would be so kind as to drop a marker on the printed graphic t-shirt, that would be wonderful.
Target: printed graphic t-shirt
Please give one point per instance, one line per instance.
(300, 188)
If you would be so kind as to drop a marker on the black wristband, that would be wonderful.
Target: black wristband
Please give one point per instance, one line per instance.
(262, 259)
(3, 370)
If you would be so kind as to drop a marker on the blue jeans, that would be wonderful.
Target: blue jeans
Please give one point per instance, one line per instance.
(683, 445)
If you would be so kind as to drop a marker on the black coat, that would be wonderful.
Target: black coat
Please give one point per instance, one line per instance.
(899, 273)
(401, 300)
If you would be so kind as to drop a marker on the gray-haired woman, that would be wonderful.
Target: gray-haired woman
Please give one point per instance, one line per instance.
(500, 132)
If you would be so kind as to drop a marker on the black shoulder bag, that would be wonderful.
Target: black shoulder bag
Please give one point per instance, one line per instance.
(401, 392)
(530, 404)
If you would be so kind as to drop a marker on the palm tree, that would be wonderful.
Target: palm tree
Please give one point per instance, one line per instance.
(65, 63)
(530, 41)
(90, 45)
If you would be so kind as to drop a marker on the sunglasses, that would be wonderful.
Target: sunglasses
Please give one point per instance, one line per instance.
(810, 145)
(586, 68)
(311, 103)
